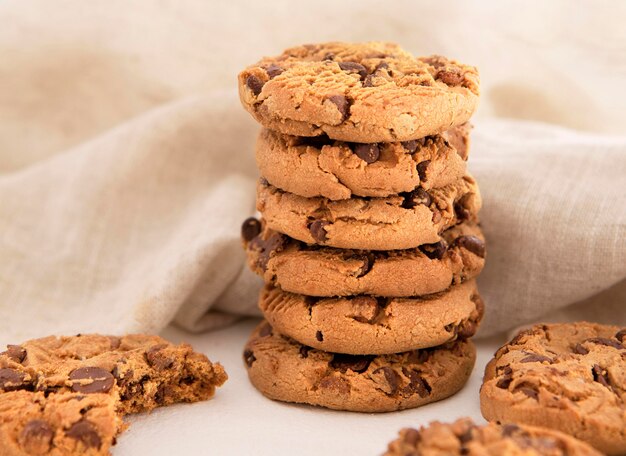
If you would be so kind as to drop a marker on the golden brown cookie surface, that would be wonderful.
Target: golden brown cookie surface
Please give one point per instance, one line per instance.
(569, 377)
(285, 370)
(463, 437)
(362, 92)
(311, 270)
(362, 325)
(336, 170)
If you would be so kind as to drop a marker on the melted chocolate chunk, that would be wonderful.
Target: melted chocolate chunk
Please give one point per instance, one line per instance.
(85, 432)
(473, 244)
(504, 381)
(158, 358)
(273, 70)
(248, 357)
(89, 380)
(416, 197)
(317, 230)
(369, 153)
(250, 229)
(11, 379)
(353, 67)
(343, 105)
(392, 378)
(254, 84)
(434, 251)
(536, 358)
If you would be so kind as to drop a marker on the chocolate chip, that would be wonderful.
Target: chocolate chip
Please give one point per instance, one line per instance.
(421, 169)
(606, 342)
(368, 81)
(158, 358)
(329, 56)
(15, 352)
(164, 393)
(579, 349)
(368, 262)
(319, 336)
(412, 436)
(509, 429)
(461, 212)
(410, 146)
(434, 251)
(266, 330)
(36, 437)
(342, 105)
(472, 243)
(451, 78)
(369, 153)
(466, 329)
(266, 247)
(466, 436)
(317, 230)
(11, 380)
(254, 84)
(416, 197)
(353, 67)
(356, 363)
(600, 375)
(417, 384)
(536, 358)
(335, 383)
(392, 378)
(304, 351)
(90, 380)
(86, 433)
(248, 357)
(122, 377)
(250, 228)
(621, 335)
(506, 378)
(528, 391)
(273, 70)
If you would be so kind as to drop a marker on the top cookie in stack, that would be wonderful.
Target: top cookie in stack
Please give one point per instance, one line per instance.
(369, 241)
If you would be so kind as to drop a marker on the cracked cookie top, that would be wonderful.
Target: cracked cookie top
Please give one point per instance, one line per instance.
(565, 376)
(361, 92)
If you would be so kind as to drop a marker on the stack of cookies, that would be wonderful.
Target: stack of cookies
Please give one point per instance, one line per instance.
(369, 241)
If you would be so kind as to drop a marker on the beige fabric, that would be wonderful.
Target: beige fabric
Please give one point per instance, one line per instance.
(126, 162)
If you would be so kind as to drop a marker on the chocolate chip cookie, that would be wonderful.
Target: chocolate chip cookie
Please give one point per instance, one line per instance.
(362, 92)
(297, 267)
(285, 370)
(463, 437)
(336, 170)
(362, 325)
(401, 221)
(144, 371)
(60, 424)
(569, 377)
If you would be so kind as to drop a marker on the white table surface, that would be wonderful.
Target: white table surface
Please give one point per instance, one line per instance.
(240, 421)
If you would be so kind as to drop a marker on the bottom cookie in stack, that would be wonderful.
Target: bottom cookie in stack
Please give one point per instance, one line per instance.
(286, 370)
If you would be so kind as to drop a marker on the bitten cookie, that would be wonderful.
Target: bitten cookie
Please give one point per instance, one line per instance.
(338, 170)
(569, 377)
(397, 222)
(311, 270)
(61, 424)
(463, 437)
(285, 370)
(363, 92)
(143, 371)
(362, 325)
